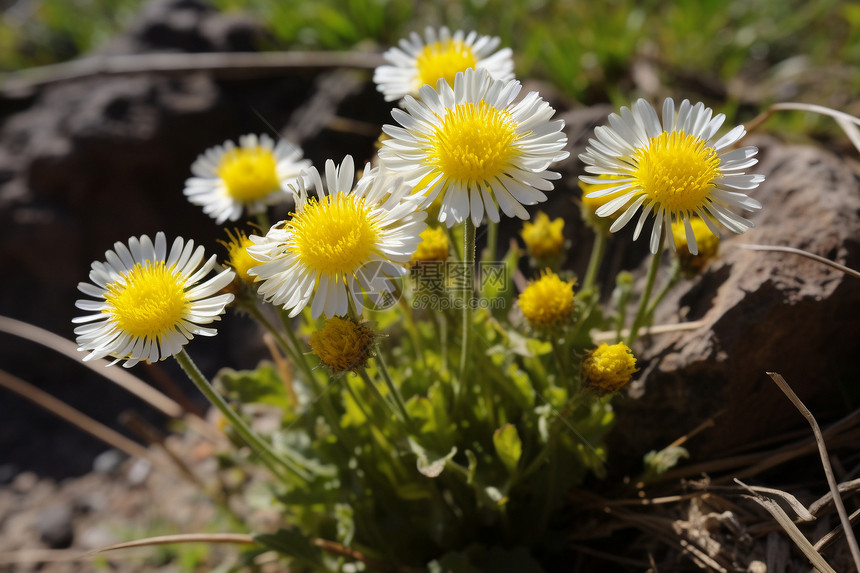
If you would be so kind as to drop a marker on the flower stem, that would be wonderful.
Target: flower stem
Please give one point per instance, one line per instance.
(272, 459)
(395, 392)
(492, 241)
(468, 298)
(594, 261)
(263, 221)
(297, 353)
(642, 312)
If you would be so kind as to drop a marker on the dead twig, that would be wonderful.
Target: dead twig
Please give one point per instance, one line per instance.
(847, 122)
(836, 533)
(825, 463)
(608, 335)
(790, 528)
(118, 376)
(781, 249)
(74, 417)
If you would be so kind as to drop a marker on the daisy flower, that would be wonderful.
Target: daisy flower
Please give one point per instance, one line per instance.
(440, 55)
(148, 301)
(340, 243)
(474, 148)
(673, 171)
(229, 180)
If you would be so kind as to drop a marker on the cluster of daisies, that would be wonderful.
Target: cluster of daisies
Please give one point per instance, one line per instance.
(464, 145)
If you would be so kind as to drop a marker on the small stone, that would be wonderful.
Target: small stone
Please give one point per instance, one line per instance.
(108, 461)
(139, 471)
(24, 482)
(55, 525)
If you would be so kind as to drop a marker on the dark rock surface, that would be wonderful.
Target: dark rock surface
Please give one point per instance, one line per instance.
(97, 160)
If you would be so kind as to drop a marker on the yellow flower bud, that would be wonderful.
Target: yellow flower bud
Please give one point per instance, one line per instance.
(547, 303)
(342, 344)
(608, 368)
(544, 238)
(706, 242)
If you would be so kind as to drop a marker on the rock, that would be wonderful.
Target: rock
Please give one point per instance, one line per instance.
(108, 461)
(98, 160)
(138, 472)
(55, 526)
(760, 312)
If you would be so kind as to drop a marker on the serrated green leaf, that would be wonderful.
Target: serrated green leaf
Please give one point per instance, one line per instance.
(260, 386)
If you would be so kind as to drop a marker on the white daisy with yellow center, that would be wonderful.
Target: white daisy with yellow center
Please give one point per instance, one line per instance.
(230, 180)
(474, 148)
(673, 171)
(340, 244)
(439, 55)
(148, 301)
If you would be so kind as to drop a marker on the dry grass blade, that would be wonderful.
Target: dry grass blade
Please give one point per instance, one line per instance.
(846, 121)
(118, 376)
(611, 335)
(69, 349)
(827, 499)
(790, 528)
(73, 416)
(32, 556)
(235, 538)
(837, 532)
(840, 432)
(803, 514)
(825, 462)
(802, 253)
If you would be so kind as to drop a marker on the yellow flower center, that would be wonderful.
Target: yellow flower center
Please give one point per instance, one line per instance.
(249, 174)
(474, 143)
(608, 368)
(544, 238)
(149, 302)
(334, 235)
(676, 170)
(433, 246)
(444, 60)
(342, 344)
(238, 257)
(547, 303)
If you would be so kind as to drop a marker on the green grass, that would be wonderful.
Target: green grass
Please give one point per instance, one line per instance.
(587, 49)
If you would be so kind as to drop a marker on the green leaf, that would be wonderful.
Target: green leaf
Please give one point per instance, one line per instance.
(508, 445)
(435, 428)
(292, 543)
(429, 464)
(658, 463)
(260, 386)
